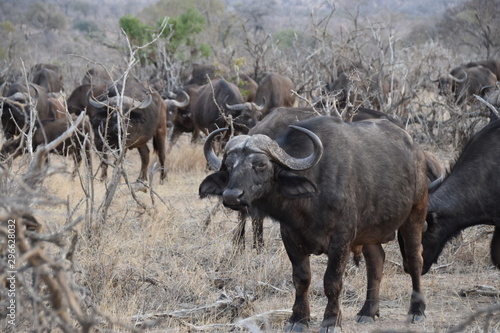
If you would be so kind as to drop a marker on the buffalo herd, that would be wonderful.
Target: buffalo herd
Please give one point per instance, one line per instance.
(336, 185)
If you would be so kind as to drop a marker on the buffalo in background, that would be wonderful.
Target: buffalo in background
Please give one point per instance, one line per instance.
(273, 91)
(78, 100)
(48, 76)
(467, 80)
(215, 105)
(180, 113)
(143, 112)
(47, 131)
(18, 104)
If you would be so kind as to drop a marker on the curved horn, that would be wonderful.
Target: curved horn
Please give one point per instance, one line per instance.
(294, 163)
(237, 107)
(37, 93)
(178, 104)
(436, 183)
(145, 104)
(214, 162)
(457, 79)
(93, 102)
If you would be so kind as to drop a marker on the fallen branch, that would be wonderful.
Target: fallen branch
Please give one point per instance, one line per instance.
(481, 290)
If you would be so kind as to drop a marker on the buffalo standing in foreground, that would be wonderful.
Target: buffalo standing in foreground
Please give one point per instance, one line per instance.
(467, 196)
(278, 121)
(333, 187)
(144, 115)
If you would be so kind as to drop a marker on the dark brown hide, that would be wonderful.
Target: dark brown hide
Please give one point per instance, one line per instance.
(78, 101)
(468, 196)
(17, 104)
(370, 182)
(211, 108)
(49, 131)
(145, 123)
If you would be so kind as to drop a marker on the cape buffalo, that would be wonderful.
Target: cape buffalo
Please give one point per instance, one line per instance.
(274, 90)
(48, 78)
(463, 82)
(467, 196)
(143, 117)
(333, 187)
(78, 100)
(48, 131)
(278, 121)
(215, 104)
(17, 107)
(180, 113)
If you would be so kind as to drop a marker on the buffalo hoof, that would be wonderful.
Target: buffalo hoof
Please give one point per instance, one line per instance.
(415, 318)
(328, 329)
(365, 320)
(296, 327)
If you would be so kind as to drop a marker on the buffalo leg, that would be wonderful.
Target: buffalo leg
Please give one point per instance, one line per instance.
(301, 273)
(239, 233)
(257, 229)
(144, 153)
(495, 247)
(338, 256)
(258, 232)
(374, 257)
(160, 148)
(411, 233)
(402, 250)
(176, 133)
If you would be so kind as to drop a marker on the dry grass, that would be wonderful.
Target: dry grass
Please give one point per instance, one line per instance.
(164, 259)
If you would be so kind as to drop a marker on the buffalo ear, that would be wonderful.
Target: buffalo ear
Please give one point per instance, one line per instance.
(213, 184)
(295, 186)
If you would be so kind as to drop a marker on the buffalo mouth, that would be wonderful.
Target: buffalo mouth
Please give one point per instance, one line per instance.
(236, 206)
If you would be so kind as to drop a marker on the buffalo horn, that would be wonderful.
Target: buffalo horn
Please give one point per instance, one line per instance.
(298, 163)
(95, 103)
(176, 103)
(436, 182)
(457, 79)
(245, 106)
(214, 162)
(145, 104)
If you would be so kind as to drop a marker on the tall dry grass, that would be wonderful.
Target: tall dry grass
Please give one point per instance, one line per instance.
(162, 269)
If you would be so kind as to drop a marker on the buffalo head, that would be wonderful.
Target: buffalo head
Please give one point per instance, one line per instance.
(253, 165)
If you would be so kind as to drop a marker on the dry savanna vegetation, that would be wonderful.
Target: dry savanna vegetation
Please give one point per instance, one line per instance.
(115, 255)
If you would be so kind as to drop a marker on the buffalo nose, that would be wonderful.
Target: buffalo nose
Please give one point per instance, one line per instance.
(232, 197)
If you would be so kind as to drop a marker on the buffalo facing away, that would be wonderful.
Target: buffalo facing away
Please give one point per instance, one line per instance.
(141, 114)
(467, 196)
(333, 187)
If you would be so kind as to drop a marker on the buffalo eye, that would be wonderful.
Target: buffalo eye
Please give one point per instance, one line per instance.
(260, 166)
